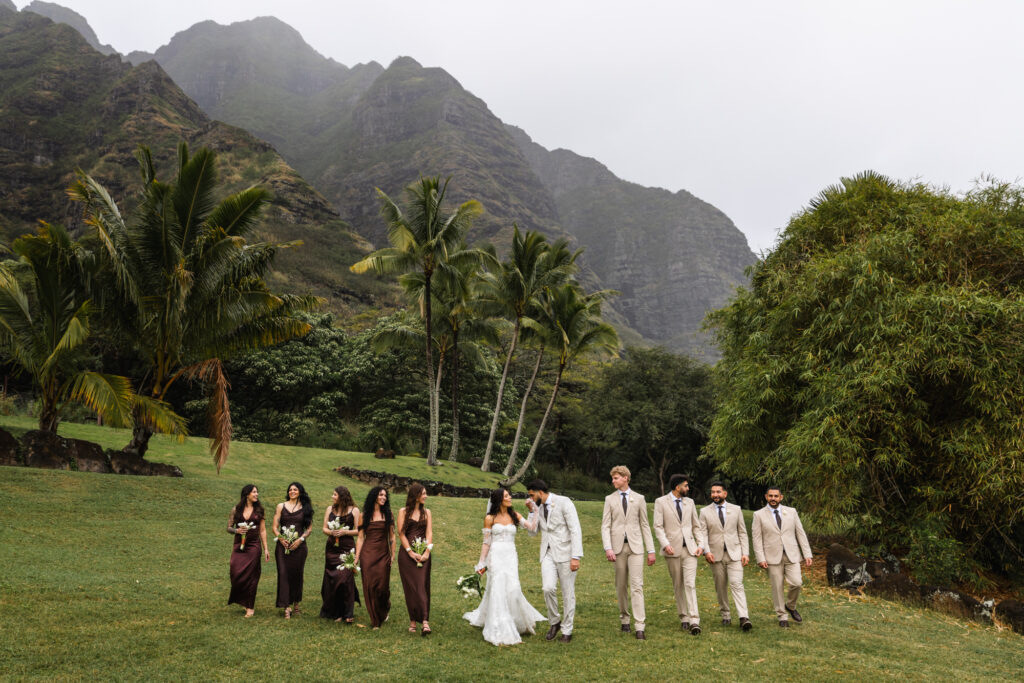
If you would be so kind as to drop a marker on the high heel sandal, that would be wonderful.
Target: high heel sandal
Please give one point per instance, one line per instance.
(287, 612)
(412, 628)
(426, 629)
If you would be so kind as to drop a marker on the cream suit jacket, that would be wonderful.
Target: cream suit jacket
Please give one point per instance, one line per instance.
(560, 533)
(732, 537)
(671, 531)
(770, 540)
(631, 527)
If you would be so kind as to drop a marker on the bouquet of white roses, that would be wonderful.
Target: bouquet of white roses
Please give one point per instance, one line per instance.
(289, 534)
(419, 546)
(243, 528)
(469, 585)
(348, 561)
(334, 525)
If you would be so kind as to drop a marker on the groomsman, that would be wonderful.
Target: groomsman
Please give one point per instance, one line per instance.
(779, 540)
(728, 552)
(677, 528)
(625, 533)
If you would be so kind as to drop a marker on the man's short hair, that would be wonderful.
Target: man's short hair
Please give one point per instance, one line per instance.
(677, 479)
(537, 485)
(620, 470)
(718, 482)
(773, 487)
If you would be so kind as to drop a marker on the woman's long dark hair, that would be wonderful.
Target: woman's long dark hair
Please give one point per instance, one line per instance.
(344, 500)
(412, 501)
(307, 504)
(257, 507)
(371, 500)
(496, 499)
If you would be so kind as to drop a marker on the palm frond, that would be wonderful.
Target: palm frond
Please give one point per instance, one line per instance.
(109, 396)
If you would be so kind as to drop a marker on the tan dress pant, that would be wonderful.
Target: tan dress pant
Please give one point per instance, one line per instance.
(728, 574)
(629, 584)
(554, 574)
(790, 572)
(683, 570)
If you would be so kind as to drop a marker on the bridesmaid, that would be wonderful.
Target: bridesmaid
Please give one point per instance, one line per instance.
(339, 587)
(414, 522)
(297, 511)
(373, 552)
(245, 559)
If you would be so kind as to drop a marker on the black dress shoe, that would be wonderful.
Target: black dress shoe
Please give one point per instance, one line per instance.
(745, 624)
(640, 635)
(553, 631)
(625, 628)
(784, 623)
(566, 637)
(695, 630)
(796, 615)
(726, 622)
(686, 625)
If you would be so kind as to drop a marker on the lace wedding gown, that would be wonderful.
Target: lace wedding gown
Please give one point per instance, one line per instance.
(504, 612)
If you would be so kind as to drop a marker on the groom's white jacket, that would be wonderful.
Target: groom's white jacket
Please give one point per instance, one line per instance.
(561, 532)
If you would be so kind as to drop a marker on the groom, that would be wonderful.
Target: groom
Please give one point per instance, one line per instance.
(561, 549)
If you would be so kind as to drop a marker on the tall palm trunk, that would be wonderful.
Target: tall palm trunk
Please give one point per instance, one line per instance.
(454, 454)
(486, 465)
(49, 414)
(540, 430)
(432, 443)
(522, 416)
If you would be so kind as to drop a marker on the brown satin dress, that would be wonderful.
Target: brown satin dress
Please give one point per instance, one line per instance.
(245, 563)
(375, 562)
(415, 580)
(290, 566)
(338, 590)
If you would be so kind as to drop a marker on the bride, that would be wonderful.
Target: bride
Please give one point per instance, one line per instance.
(504, 612)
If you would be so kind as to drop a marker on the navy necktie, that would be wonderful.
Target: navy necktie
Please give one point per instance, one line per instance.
(778, 520)
(679, 509)
(624, 504)
(721, 516)
(545, 512)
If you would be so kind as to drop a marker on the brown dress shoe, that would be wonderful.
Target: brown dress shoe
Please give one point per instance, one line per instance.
(784, 623)
(695, 630)
(796, 615)
(625, 628)
(640, 635)
(745, 624)
(727, 622)
(686, 625)
(553, 631)
(566, 637)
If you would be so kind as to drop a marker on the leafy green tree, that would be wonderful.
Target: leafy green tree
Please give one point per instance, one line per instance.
(512, 291)
(184, 286)
(45, 316)
(572, 323)
(425, 239)
(873, 368)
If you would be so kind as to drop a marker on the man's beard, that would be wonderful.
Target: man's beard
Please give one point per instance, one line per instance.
(716, 499)
(773, 503)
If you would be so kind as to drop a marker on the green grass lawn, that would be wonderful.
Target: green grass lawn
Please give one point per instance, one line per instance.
(111, 577)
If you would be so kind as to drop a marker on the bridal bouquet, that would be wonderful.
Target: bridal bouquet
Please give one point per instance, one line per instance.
(243, 528)
(348, 561)
(289, 534)
(419, 546)
(334, 525)
(469, 585)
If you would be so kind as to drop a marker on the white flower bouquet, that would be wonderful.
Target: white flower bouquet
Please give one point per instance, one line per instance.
(469, 585)
(335, 525)
(243, 528)
(289, 534)
(348, 561)
(419, 546)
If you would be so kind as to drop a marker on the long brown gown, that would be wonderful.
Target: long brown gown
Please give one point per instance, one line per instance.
(245, 563)
(339, 587)
(290, 566)
(415, 580)
(375, 562)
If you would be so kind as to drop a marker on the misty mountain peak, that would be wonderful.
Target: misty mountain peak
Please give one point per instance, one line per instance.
(62, 15)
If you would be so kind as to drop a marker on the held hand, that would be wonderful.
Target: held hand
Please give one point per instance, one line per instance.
(669, 551)
(610, 555)
(283, 542)
(809, 561)
(709, 556)
(700, 551)
(530, 505)
(744, 560)
(650, 559)
(762, 565)
(574, 564)
(481, 571)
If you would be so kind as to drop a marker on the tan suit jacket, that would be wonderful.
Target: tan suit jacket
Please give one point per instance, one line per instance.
(731, 537)
(770, 541)
(631, 527)
(673, 532)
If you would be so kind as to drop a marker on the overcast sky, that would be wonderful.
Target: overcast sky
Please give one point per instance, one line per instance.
(753, 106)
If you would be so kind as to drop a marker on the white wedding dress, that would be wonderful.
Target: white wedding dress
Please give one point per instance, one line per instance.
(504, 612)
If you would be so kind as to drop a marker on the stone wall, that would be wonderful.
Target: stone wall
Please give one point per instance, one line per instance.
(49, 451)
(395, 482)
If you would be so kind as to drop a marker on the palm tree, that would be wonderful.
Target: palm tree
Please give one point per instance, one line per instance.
(512, 289)
(44, 325)
(185, 285)
(424, 239)
(574, 327)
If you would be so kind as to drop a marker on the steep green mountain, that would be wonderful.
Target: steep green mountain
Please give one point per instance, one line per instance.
(63, 15)
(64, 106)
(672, 256)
